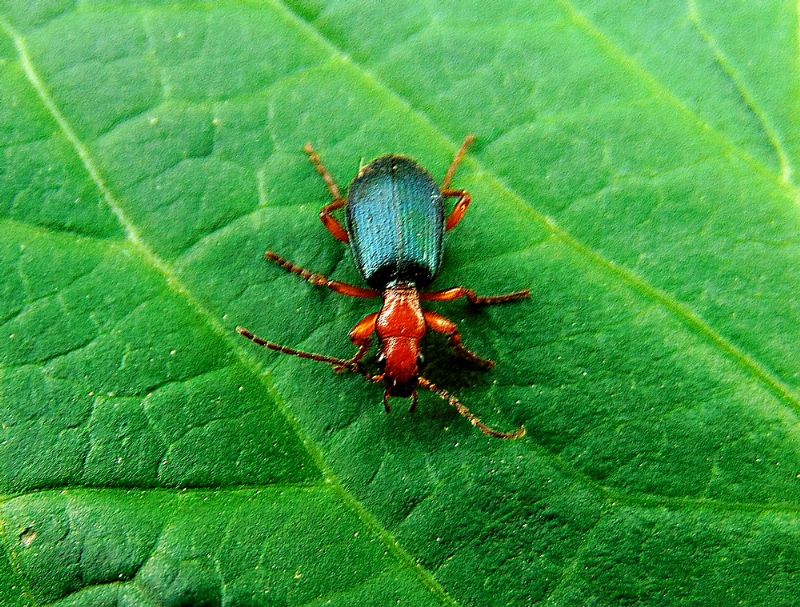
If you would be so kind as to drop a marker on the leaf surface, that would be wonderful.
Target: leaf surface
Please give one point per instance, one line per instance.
(636, 167)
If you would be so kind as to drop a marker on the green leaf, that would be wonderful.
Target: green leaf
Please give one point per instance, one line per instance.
(636, 167)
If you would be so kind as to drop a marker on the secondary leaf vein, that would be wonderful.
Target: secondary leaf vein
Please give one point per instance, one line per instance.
(627, 62)
(747, 96)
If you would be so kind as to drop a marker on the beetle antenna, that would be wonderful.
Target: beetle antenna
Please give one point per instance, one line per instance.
(473, 419)
(336, 362)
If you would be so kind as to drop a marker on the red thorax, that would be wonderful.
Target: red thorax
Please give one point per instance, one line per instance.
(400, 326)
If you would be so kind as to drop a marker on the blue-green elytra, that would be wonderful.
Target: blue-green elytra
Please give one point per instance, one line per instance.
(395, 218)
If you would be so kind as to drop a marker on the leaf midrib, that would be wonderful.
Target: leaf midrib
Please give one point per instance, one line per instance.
(613, 495)
(132, 234)
(593, 258)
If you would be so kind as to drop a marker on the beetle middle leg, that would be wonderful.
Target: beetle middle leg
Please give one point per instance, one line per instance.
(318, 280)
(459, 292)
(333, 226)
(445, 326)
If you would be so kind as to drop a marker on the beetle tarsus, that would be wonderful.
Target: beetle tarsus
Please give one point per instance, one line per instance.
(333, 187)
(318, 280)
(455, 293)
(494, 300)
(451, 172)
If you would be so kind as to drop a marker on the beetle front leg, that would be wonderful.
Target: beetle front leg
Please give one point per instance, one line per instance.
(459, 292)
(445, 326)
(361, 336)
(414, 399)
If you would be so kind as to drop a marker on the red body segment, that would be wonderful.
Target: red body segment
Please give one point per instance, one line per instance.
(400, 328)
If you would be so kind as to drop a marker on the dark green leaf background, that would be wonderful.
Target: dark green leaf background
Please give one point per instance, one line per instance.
(636, 168)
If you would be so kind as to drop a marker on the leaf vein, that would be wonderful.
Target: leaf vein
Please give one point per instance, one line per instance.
(744, 92)
(631, 65)
(5, 544)
(692, 320)
(570, 570)
(327, 598)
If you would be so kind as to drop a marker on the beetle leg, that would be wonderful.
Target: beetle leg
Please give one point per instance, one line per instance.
(468, 141)
(326, 176)
(331, 223)
(464, 199)
(333, 226)
(414, 399)
(318, 280)
(459, 210)
(361, 336)
(445, 326)
(355, 362)
(386, 404)
(459, 292)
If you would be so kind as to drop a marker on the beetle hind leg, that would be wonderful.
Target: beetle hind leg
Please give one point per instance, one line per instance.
(464, 199)
(330, 222)
(333, 187)
(458, 212)
(448, 178)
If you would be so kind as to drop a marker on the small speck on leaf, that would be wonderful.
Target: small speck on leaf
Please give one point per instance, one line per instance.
(27, 537)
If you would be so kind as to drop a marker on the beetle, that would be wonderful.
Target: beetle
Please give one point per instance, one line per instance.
(395, 224)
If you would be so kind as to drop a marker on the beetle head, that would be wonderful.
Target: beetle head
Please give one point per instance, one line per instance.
(400, 361)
